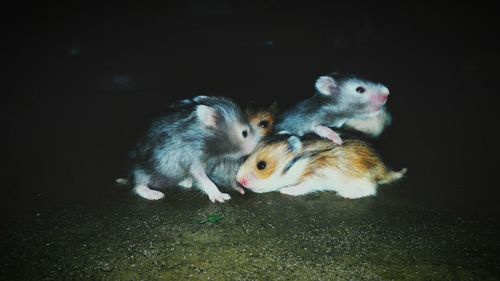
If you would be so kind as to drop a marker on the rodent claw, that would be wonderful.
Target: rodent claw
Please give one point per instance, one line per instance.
(221, 197)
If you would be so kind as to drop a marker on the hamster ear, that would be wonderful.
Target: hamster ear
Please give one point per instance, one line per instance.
(326, 85)
(207, 115)
(295, 144)
(200, 98)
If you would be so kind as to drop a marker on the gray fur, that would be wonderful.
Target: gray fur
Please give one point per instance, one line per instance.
(334, 103)
(223, 172)
(180, 142)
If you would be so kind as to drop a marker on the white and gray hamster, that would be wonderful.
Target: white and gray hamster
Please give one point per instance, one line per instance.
(297, 166)
(178, 146)
(340, 100)
(223, 173)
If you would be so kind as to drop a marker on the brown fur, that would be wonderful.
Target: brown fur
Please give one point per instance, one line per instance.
(353, 158)
(256, 116)
(263, 116)
(268, 154)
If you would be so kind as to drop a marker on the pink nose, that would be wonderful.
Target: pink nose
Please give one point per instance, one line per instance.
(243, 181)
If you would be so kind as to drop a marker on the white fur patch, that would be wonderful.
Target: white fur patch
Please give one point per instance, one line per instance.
(333, 180)
(300, 189)
(187, 183)
(373, 126)
(345, 186)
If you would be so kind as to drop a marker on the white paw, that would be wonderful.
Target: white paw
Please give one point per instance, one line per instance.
(328, 133)
(147, 193)
(219, 197)
(334, 137)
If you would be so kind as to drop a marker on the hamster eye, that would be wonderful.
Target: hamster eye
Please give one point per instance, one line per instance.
(244, 133)
(263, 124)
(261, 165)
(360, 90)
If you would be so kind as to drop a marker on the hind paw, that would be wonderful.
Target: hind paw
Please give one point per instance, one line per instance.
(147, 193)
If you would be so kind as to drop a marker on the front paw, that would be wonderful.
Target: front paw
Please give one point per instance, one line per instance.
(335, 138)
(328, 133)
(219, 197)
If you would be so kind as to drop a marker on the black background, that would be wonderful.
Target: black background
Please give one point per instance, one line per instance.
(82, 80)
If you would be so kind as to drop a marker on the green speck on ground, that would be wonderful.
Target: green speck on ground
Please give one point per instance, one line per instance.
(262, 237)
(210, 219)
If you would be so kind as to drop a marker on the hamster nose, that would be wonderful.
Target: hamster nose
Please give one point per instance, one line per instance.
(385, 91)
(243, 181)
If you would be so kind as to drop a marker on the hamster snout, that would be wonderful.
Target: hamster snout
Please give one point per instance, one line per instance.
(245, 180)
(379, 99)
(384, 90)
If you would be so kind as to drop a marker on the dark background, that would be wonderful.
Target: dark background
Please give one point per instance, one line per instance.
(80, 81)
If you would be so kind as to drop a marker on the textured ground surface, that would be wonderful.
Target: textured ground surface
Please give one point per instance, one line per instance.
(255, 237)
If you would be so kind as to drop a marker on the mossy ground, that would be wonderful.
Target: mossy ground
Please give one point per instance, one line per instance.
(256, 237)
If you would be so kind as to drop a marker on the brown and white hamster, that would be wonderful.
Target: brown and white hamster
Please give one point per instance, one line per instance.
(298, 166)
